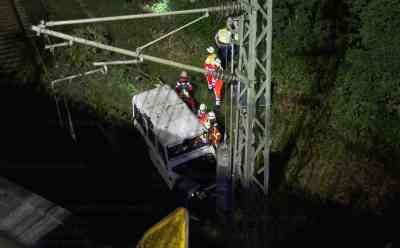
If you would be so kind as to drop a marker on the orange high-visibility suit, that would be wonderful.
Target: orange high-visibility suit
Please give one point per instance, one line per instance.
(219, 84)
(210, 67)
(203, 118)
(215, 136)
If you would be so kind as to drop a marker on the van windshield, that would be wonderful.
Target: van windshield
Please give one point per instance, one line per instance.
(187, 146)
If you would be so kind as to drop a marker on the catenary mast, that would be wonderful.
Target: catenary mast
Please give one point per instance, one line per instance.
(247, 147)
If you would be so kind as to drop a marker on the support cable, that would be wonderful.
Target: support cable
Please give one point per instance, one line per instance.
(70, 122)
(42, 30)
(172, 32)
(69, 118)
(119, 62)
(139, 16)
(57, 105)
(58, 110)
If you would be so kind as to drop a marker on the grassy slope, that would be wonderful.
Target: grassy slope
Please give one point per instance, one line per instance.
(310, 153)
(187, 46)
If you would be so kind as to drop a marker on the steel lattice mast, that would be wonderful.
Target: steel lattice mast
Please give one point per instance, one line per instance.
(249, 145)
(251, 122)
(249, 140)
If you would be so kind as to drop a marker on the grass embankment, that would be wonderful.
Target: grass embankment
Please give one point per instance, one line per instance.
(309, 151)
(320, 146)
(110, 95)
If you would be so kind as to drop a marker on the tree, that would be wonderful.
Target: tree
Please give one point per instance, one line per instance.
(368, 98)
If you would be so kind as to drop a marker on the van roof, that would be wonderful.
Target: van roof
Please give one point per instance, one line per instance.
(172, 120)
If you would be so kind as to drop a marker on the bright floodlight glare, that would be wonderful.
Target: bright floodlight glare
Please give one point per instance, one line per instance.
(159, 7)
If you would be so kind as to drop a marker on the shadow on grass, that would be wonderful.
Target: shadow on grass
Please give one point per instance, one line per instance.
(302, 219)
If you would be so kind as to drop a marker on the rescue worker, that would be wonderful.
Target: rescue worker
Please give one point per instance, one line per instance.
(211, 120)
(203, 118)
(209, 66)
(233, 26)
(215, 135)
(204, 136)
(218, 65)
(202, 113)
(211, 56)
(183, 88)
(183, 83)
(223, 39)
(218, 85)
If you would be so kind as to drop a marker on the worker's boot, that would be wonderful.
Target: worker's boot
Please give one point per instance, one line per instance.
(217, 108)
(217, 101)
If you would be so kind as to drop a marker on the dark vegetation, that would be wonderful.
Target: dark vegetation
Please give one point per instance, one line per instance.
(336, 154)
(110, 95)
(336, 107)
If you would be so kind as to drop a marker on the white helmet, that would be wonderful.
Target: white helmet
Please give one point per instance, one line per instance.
(211, 115)
(203, 107)
(184, 74)
(207, 125)
(229, 21)
(217, 61)
(210, 49)
(232, 24)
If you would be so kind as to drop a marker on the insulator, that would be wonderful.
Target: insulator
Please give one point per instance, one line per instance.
(229, 8)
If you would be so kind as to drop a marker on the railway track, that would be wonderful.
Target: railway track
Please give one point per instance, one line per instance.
(14, 36)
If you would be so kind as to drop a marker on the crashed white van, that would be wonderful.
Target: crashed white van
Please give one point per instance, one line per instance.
(172, 133)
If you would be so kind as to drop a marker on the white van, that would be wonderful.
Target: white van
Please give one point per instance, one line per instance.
(172, 133)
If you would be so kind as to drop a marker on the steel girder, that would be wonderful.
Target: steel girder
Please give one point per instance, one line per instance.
(252, 96)
(249, 144)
